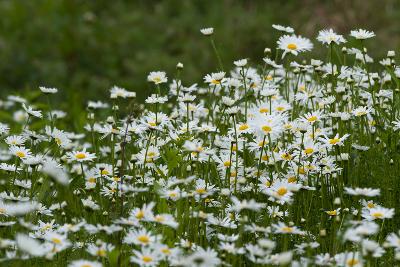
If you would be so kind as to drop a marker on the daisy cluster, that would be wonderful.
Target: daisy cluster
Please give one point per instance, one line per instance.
(258, 166)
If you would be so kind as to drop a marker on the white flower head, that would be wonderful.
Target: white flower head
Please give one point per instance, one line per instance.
(207, 31)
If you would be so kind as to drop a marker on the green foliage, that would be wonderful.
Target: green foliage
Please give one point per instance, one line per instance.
(85, 47)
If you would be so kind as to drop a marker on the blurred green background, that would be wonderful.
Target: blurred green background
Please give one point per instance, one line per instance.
(85, 47)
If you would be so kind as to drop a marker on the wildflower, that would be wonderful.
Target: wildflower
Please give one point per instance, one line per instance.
(31, 246)
(157, 77)
(116, 92)
(84, 263)
(362, 111)
(335, 141)
(294, 44)
(207, 31)
(329, 36)
(349, 259)
(29, 110)
(378, 213)
(393, 240)
(140, 237)
(251, 204)
(283, 28)
(20, 151)
(282, 228)
(100, 249)
(361, 34)
(240, 62)
(203, 258)
(370, 247)
(48, 90)
(368, 192)
(146, 257)
(144, 213)
(18, 208)
(4, 129)
(214, 79)
(81, 156)
(54, 170)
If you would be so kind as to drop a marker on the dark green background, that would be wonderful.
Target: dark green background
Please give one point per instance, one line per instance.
(85, 47)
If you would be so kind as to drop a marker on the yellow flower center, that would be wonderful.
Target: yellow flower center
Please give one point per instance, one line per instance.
(280, 108)
(58, 141)
(265, 158)
(159, 218)
(46, 227)
(166, 251)
(286, 156)
(92, 180)
(80, 155)
(377, 215)
(56, 240)
(352, 262)
(227, 164)
(157, 79)
(266, 129)
(144, 239)
(332, 212)
(282, 191)
(20, 154)
(334, 141)
(308, 151)
(104, 172)
(139, 215)
(243, 127)
(215, 82)
(152, 123)
(371, 205)
(264, 110)
(172, 194)
(292, 179)
(147, 259)
(312, 118)
(201, 191)
(101, 253)
(292, 46)
(287, 229)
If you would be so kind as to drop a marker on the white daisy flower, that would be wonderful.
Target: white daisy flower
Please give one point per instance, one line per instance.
(283, 28)
(47, 90)
(157, 77)
(329, 36)
(207, 31)
(30, 111)
(361, 34)
(81, 156)
(294, 44)
(85, 263)
(368, 192)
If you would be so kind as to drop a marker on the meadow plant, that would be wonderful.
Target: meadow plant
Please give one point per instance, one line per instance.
(291, 162)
